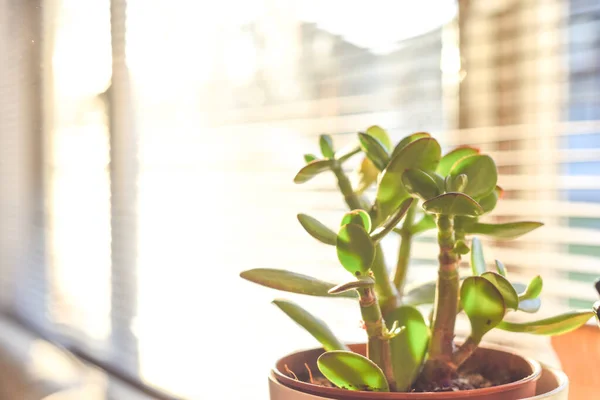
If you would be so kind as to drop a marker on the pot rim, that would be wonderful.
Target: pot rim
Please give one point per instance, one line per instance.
(536, 368)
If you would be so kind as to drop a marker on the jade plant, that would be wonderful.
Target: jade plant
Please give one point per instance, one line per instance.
(417, 189)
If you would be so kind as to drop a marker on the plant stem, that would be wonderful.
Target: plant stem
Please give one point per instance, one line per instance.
(386, 292)
(446, 303)
(404, 252)
(378, 347)
(350, 197)
(464, 352)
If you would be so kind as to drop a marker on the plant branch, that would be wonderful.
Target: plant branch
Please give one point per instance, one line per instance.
(386, 292)
(464, 351)
(378, 346)
(446, 303)
(404, 252)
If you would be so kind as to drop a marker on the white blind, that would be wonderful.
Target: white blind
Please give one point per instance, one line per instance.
(159, 191)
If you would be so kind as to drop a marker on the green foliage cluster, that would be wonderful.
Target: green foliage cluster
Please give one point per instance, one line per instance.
(417, 189)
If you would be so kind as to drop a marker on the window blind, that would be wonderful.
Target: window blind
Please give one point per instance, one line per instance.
(171, 135)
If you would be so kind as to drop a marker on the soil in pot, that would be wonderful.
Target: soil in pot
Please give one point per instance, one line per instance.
(485, 370)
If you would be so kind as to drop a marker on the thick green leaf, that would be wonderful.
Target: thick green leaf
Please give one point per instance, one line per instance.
(509, 294)
(533, 290)
(317, 229)
(381, 135)
(423, 154)
(483, 304)
(362, 282)
(355, 249)
(407, 140)
(455, 183)
(500, 268)
(374, 150)
(510, 230)
(419, 182)
(550, 326)
(452, 157)
(424, 224)
(393, 220)
(313, 169)
(488, 203)
(481, 173)
(309, 158)
(358, 217)
(313, 325)
(453, 204)
(291, 282)
(460, 247)
(409, 347)
(477, 259)
(326, 145)
(351, 371)
(530, 306)
(367, 174)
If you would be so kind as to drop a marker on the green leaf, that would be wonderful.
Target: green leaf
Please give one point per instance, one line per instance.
(423, 154)
(501, 268)
(533, 290)
(326, 145)
(508, 292)
(367, 174)
(393, 220)
(355, 249)
(510, 230)
(488, 203)
(453, 204)
(351, 371)
(426, 223)
(483, 304)
(461, 247)
(409, 347)
(381, 135)
(317, 230)
(481, 173)
(358, 217)
(309, 158)
(374, 150)
(477, 259)
(315, 326)
(419, 182)
(452, 157)
(363, 282)
(408, 140)
(313, 169)
(291, 282)
(529, 306)
(456, 183)
(550, 326)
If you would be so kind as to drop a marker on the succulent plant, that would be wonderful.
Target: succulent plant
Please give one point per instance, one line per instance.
(417, 189)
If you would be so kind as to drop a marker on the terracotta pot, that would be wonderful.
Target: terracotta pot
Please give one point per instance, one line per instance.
(579, 355)
(529, 369)
(552, 385)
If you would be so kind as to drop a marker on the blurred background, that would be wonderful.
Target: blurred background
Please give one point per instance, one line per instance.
(148, 147)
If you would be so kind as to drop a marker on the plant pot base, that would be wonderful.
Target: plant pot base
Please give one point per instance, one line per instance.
(552, 385)
(525, 371)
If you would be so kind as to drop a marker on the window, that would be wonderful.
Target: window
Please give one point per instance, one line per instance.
(150, 159)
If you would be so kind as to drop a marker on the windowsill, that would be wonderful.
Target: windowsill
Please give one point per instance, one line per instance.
(35, 368)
